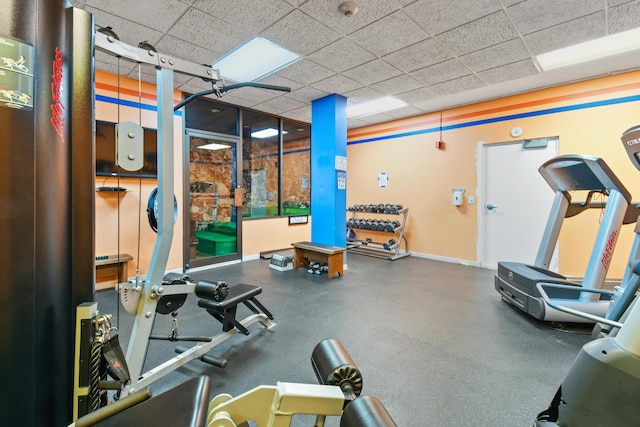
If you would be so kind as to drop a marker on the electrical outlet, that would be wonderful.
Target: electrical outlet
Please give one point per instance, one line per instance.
(472, 200)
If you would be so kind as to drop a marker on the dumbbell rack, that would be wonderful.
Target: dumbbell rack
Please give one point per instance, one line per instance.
(373, 248)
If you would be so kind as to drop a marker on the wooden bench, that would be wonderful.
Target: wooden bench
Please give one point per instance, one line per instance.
(333, 256)
(116, 264)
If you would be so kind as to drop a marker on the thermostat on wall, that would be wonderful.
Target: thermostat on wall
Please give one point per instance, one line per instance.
(516, 132)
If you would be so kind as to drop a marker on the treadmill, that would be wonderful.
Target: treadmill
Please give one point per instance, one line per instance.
(517, 282)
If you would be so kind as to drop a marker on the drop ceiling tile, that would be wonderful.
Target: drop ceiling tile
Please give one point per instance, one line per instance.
(400, 113)
(535, 15)
(361, 95)
(185, 50)
(353, 123)
(305, 72)
(612, 3)
(438, 16)
(624, 17)
(441, 72)
(245, 13)
(78, 3)
(300, 33)
(372, 72)
(458, 85)
(419, 55)
(391, 33)
(508, 72)
(277, 80)
(158, 14)
(327, 12)
(254, 94)
(302, 114)
(337, 84)
(495, 56)
(572, 32)
(307, 94)
(341, 55)
(417, 95)
(281, 104)
(375, 118)
(399, 84)
(479, 34)
(208, 32)
(128, 32)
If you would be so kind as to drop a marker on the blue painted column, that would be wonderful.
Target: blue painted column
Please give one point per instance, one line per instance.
(328, 183)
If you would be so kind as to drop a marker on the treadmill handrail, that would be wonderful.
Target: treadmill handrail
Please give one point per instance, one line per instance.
(597, 319)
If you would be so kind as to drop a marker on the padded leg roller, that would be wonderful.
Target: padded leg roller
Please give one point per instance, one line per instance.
(213, 291)
(366, 411)
(333, 366)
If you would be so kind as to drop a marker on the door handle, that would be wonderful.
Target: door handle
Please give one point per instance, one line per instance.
(490, 207)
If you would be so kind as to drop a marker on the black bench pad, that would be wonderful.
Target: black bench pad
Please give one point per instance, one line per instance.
(225, 311)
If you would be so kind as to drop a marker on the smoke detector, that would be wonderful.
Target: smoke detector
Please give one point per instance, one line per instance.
(348, 8)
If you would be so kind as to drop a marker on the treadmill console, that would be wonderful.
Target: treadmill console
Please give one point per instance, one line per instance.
(631, 141)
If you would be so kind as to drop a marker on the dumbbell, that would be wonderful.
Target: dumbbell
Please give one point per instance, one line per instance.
(362, 223)
(388, 245)
(350, 223)
(380, 226)
(388, 226)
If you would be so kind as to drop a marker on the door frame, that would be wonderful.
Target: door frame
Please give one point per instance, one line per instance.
(482, 192)
(188, 263)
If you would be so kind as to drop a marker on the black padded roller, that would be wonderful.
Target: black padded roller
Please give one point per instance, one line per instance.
(212, 291)
(366, 411)
(333, 366)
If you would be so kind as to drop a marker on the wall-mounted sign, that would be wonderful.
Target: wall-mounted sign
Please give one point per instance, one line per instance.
(342, 180)
(383, 180)
(17, 61)
(298, 219)
(341, 163)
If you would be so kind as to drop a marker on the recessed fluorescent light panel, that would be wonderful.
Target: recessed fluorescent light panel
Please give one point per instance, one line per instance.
(373, 107)
(266, 133)
(213, 146)
(588, 51)
(254, 60)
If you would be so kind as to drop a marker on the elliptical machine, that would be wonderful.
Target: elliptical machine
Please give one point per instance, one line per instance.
(604, 381)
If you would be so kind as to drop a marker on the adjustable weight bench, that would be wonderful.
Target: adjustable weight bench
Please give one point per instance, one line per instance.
(225, 311)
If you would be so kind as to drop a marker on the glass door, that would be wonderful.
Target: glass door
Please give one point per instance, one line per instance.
(213, 230)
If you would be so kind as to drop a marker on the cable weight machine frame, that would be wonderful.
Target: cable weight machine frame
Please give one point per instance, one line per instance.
(152, 289)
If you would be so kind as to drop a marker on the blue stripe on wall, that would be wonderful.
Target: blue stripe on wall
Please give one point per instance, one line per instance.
(544, 112)
(112, 100)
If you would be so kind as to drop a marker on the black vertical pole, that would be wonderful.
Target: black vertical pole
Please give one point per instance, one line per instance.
(46, 210)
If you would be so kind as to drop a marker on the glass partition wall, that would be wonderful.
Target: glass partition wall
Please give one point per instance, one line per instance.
(228, 149)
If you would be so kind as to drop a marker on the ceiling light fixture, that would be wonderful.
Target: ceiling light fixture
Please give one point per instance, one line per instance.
(602, 47)
(375, 106)
(213, 146)
(254, 60)
(266, 133)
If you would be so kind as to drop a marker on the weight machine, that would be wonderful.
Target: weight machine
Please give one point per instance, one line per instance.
(337, 394)
(160, 293)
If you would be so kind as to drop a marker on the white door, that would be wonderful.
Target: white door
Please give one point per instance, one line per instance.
(515, 203)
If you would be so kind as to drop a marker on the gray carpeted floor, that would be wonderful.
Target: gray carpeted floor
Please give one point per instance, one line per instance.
(433, 340)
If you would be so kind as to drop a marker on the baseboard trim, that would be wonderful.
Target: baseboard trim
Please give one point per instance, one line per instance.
(447, 259)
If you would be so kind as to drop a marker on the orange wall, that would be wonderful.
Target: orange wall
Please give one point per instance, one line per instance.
(129, 209)
(421, 176)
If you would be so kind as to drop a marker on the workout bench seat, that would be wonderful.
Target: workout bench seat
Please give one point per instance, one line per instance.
(225, 311)
(305, 252)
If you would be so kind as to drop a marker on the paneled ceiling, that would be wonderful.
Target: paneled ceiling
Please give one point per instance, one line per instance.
(432, 54)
